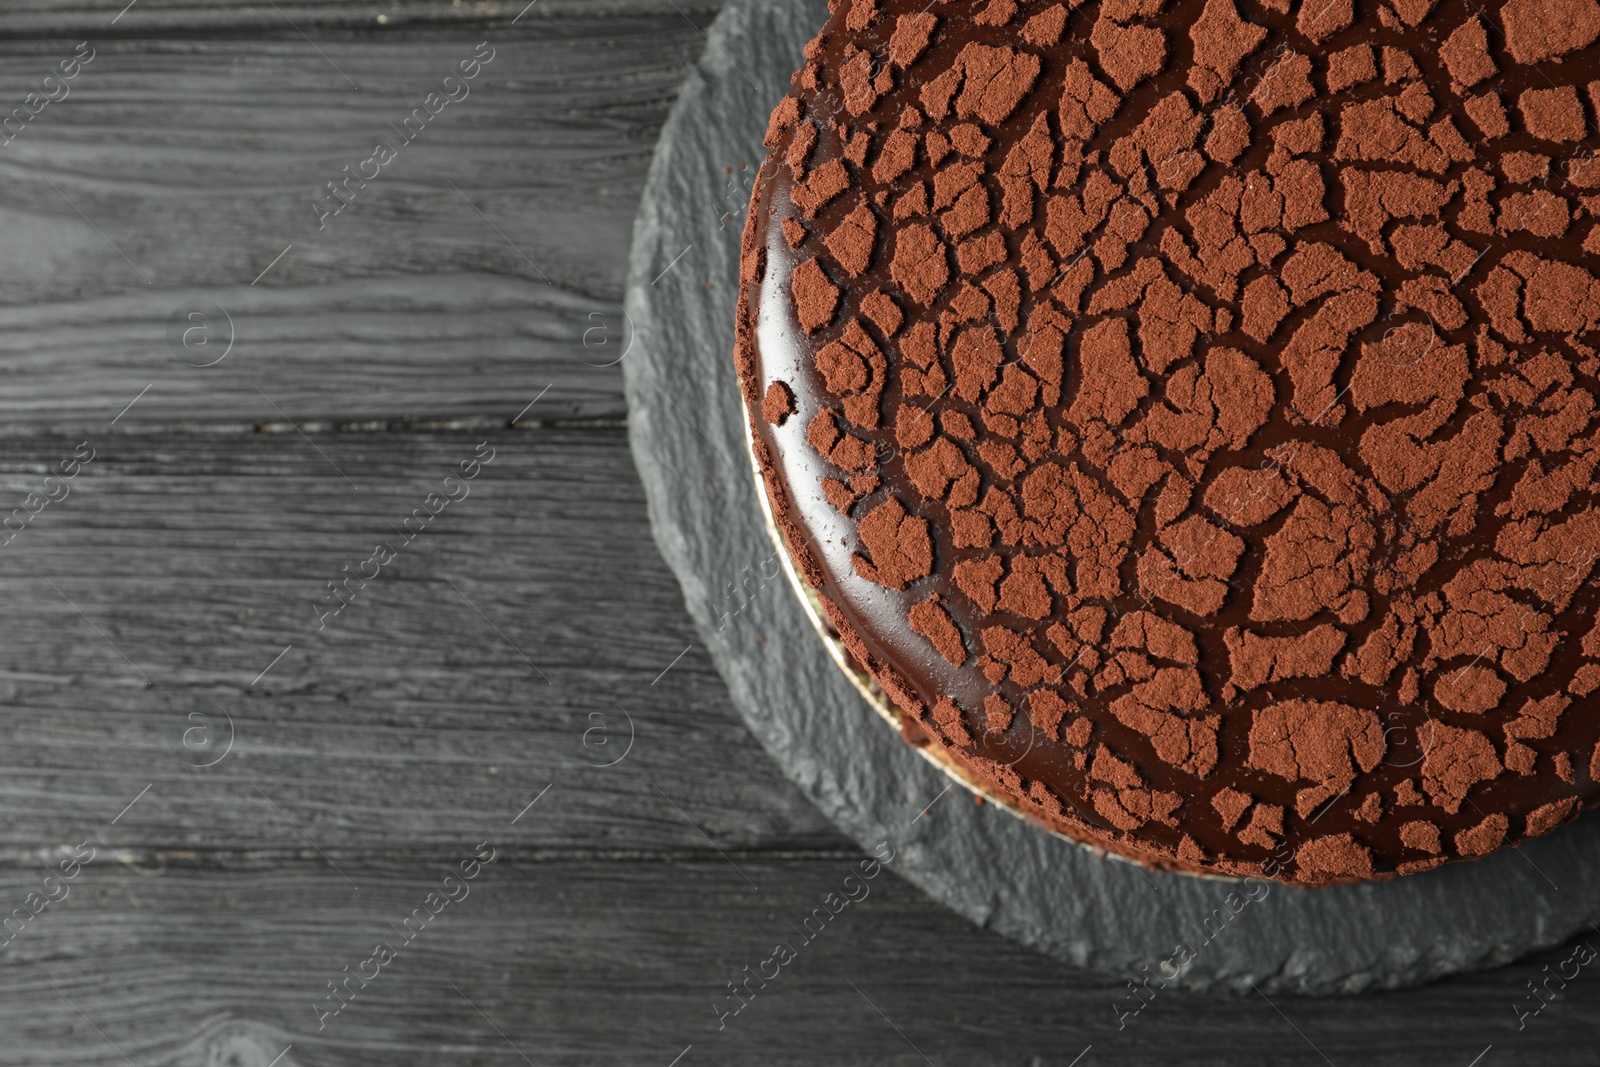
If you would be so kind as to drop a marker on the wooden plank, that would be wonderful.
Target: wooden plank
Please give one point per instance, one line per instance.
(366, 353)
(581, 962)
(486, 258)
(113, 18)
(180, 567)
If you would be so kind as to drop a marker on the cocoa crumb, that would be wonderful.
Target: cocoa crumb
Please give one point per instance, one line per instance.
(778, 404)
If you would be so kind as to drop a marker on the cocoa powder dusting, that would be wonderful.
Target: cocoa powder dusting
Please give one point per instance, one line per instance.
(1209, 389)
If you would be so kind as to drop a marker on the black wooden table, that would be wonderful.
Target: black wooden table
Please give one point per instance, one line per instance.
(244, 748)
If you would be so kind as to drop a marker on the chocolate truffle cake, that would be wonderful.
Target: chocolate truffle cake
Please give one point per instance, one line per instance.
(1185, 410)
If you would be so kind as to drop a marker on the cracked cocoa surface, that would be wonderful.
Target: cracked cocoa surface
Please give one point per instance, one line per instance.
(1185, 409)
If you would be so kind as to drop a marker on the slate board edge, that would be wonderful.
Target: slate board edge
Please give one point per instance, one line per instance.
(686, 436)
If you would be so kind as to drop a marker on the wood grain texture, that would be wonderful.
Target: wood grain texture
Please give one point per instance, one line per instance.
(487, 256)
(111, 18)
(409, 718)
(577, 961)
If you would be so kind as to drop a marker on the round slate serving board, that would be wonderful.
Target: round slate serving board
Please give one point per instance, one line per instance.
(685, 423)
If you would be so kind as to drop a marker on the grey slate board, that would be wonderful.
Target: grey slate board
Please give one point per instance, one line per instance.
(685, 426)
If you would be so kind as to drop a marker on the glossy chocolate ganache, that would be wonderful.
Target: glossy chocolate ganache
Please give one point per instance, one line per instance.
(1186, 410)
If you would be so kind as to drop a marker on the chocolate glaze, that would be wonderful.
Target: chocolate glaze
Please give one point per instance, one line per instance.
(1381, 282)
